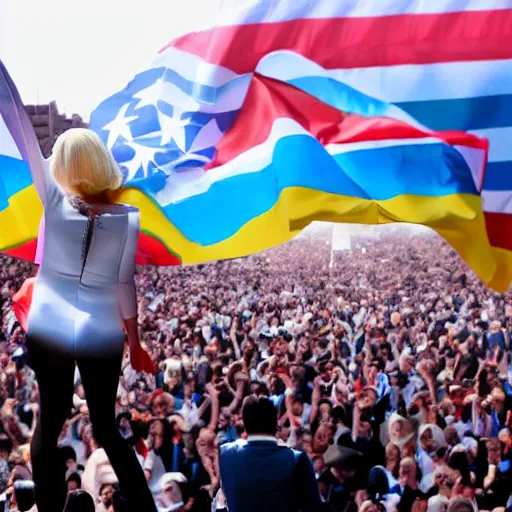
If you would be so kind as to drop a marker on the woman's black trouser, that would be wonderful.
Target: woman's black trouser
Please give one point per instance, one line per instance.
(100, 378)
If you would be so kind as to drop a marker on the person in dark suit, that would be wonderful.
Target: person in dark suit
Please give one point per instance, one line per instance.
(258, 475)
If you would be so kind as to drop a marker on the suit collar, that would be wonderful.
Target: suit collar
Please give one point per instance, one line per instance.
(261, 439)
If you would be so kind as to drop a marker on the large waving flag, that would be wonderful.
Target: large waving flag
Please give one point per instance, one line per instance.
(20, 207)
(281, 113)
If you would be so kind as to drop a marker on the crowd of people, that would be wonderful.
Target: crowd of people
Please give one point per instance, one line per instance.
(388, 366)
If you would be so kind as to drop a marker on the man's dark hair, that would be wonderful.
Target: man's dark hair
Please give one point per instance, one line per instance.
(378, 363)
(66, 453)
(24, 494)
(339, 415)
(325, 401)
(106, 484)
(298, 396)
(323, 359)
(75, 477)
(5, 443)
(260, 416)
(259, 388)
(79, 501)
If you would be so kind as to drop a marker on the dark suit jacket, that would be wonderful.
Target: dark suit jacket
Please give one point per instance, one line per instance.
(260, 476)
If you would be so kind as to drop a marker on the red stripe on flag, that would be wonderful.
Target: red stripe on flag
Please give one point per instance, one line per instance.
(499, 229)
(152, 251)
(25, 251)
(268, 100)
(359, 42)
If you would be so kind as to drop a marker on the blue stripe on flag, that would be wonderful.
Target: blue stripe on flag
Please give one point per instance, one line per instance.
(462, 114)
(14, 177)
(345, 98)
(454, 114)
(301, 161)
(498, 176)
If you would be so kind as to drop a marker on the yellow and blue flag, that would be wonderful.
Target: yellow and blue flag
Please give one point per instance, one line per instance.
(241, 134)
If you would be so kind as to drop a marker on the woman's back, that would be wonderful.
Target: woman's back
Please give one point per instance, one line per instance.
(77, 245)
(85, 284)
(88, 260)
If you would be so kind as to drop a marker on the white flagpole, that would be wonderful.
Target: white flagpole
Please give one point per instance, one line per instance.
(331, 263)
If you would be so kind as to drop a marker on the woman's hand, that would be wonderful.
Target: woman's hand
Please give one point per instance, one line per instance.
(141, 360)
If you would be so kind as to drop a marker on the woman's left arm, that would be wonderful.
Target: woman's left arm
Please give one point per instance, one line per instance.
(20, 127)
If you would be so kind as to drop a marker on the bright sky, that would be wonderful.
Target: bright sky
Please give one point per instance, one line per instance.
(80, 52)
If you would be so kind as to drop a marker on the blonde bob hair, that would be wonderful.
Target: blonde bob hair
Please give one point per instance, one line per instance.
(82, 165)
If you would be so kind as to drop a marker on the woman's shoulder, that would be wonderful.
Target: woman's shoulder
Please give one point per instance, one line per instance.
(118, 209)
(103, 210)
(129, 208)
(125, 208)
(131, 211)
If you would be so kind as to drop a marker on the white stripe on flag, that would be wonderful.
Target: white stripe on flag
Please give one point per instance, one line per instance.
(194, 68)
(394, 84)
(235, 12)
(475, 158)
(7, 145)
(497, 201)
(183, 185)
(500, 139)
(196, 100)
(338, 149)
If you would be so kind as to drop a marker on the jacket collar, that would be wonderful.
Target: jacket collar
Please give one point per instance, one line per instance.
(261, 439)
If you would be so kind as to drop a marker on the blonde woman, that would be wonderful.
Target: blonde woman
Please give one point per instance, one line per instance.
(84, 301)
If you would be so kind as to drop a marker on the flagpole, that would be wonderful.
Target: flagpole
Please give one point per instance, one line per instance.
(331, 263)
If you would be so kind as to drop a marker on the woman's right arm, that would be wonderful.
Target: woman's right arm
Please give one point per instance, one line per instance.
(131, 328)
(140, 359)
(127, 291)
